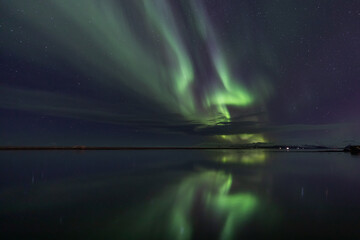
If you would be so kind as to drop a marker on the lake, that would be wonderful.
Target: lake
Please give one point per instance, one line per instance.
(179, 194)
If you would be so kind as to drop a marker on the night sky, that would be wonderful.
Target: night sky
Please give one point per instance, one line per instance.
(179, 72)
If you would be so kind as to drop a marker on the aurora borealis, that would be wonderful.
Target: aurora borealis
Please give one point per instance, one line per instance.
(179, 119)
(184, 72)
(210, 192)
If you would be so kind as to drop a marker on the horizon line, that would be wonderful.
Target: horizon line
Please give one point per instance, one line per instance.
(86, 148)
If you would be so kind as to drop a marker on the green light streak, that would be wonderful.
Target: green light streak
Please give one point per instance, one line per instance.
(210, 191)
(243, 138)
(148, 54)
(253, 157)
(231, 93)
(240, 208)
(182, 71)
(213, 188)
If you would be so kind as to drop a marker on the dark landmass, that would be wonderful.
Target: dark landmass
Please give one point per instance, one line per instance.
(109, 148)
(280, 146)
(283, 146)
(232, 147)
(352, 149)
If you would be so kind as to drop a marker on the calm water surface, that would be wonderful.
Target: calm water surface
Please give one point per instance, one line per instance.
(232, 194)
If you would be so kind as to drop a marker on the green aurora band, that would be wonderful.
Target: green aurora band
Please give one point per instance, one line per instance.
(209, 193)
(141, 45)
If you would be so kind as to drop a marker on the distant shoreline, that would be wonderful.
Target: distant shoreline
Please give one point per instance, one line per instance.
(86, 148)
